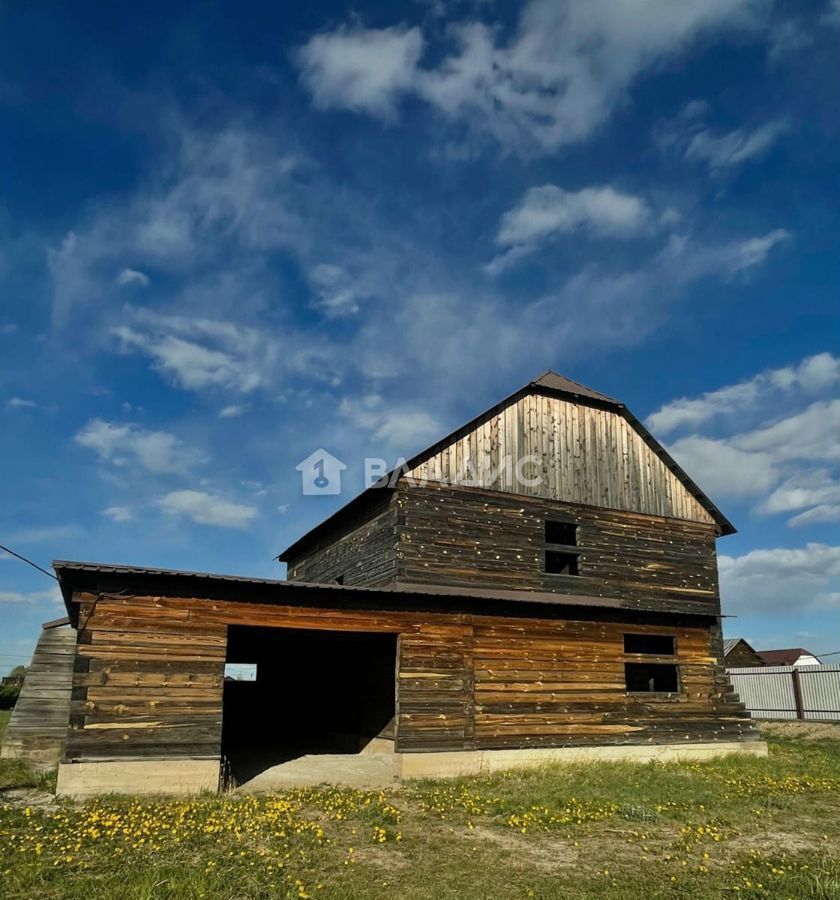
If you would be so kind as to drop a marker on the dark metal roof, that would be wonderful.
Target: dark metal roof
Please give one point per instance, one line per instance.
(554, 382)
(73, 574)
(786, 657)
(65, 568)
(549, 382)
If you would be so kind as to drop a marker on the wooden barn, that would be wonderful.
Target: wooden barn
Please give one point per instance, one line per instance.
(540, 584)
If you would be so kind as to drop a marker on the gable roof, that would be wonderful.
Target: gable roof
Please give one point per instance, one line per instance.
(549, 383)
(786, 657)
(729, 644)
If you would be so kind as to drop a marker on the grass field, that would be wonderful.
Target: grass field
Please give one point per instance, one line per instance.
(732, 828)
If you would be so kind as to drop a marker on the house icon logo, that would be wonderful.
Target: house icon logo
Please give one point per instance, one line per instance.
(320, 473)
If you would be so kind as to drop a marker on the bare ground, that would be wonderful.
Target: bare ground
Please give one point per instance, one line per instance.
(804, 731)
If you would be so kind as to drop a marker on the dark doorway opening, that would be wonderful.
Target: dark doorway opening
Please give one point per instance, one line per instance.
(314, 692)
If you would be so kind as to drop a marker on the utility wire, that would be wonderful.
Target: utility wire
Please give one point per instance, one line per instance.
(28, 562)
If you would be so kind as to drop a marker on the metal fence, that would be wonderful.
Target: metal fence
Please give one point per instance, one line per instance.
(789, 692)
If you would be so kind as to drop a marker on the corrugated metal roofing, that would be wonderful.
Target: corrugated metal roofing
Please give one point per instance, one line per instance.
(403, 588)
(729, 644)
(66, 568)
(555, 382)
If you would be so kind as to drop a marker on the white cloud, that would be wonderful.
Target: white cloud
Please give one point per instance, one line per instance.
(751, 463)
(119, 513)
(597, 307)
(361, 69)
(774, 447)
(43, 534)
(553, 82)
(224, 189)
(804, 489)
(207, 509)
(232, 410)
(190, 365)
(405, 430)
(132, 276)
(20, 403)
(822, 514)
(754, 251)
(126, 444)
(200, 353)
(549, 210)
(337, 292)
(722, 469)
(690, 136)
(815, 373)
(29, 598)
(409, 430)
(732, 149)
(811, 434)
(781, 579)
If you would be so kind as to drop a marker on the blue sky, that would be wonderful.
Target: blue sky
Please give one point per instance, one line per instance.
(233, 233)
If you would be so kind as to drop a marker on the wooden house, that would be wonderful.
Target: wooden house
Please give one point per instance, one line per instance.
(738, 653)
(541, 584)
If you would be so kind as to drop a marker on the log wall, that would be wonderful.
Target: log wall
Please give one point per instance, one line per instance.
(37, 728)
(363, 552)
(149, 670)
(474, 538)
(562, 684)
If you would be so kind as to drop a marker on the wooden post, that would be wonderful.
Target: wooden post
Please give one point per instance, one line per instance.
(797, 694)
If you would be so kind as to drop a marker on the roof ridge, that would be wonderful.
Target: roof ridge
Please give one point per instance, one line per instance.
(554, 381)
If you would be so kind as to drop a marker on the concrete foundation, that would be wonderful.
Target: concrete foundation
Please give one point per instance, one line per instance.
(152, 776)
(480, 762)
(367, 770)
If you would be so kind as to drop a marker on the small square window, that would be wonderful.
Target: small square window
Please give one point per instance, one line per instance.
(651, 678)
(561, 533)
(557, 563)
(654, 644)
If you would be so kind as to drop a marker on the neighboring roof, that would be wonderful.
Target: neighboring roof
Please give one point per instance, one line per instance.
(81, 575)
(548, 383)
(784, 657)
(56, 623)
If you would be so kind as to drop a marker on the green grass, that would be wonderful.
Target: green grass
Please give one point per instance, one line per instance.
(737, 827)
(5, 715)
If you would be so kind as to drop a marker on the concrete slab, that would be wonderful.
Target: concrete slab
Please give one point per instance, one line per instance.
(482, 762)
(359, 770)
(151, 776)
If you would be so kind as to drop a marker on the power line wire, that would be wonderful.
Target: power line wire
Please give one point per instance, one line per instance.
(28, 562)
